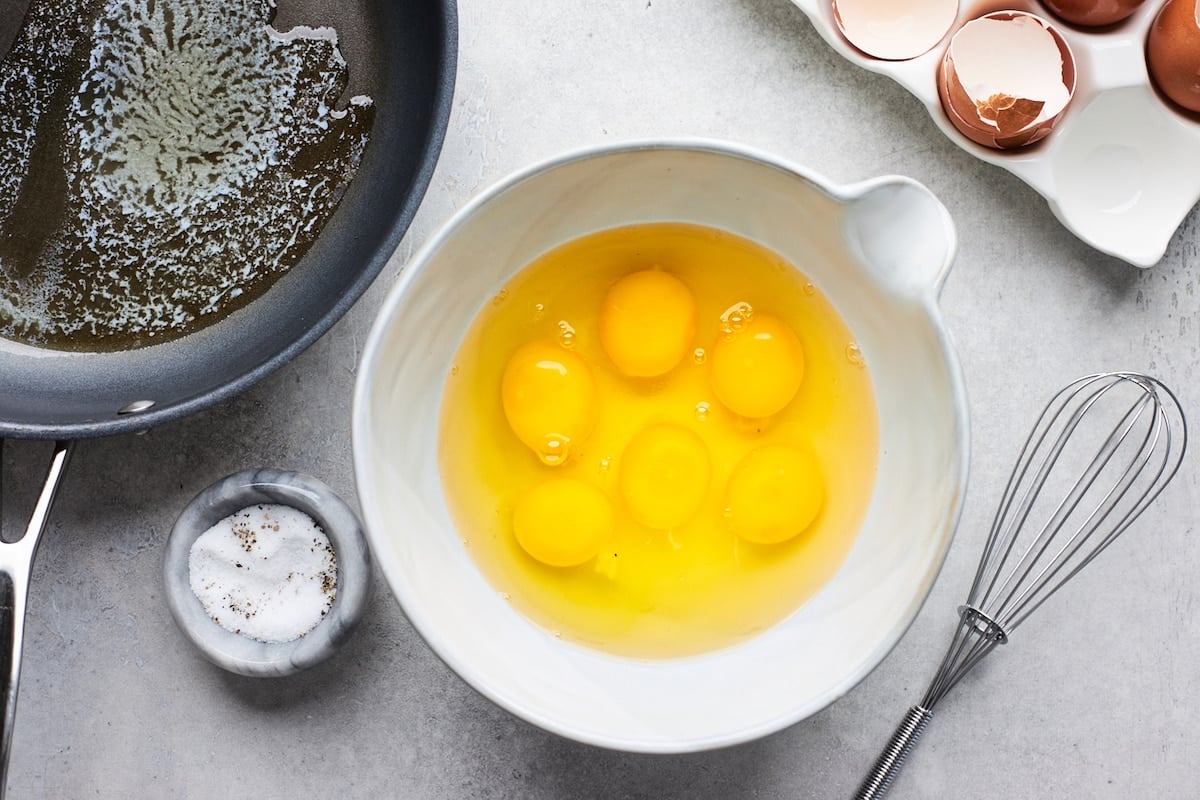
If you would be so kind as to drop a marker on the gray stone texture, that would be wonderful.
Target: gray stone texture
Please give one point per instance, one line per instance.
(1095, 698)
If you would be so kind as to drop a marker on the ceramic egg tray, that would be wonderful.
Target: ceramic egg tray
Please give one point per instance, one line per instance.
(1121, 169)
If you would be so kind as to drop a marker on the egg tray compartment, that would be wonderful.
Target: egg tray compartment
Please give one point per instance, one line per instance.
(1120, 170)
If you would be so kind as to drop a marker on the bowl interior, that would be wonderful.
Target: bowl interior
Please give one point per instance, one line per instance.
(782, 675)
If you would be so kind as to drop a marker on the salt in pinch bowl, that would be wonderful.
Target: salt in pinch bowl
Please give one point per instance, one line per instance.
(243, 655)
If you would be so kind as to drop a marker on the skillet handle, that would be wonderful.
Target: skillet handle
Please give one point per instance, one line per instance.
(16, 563)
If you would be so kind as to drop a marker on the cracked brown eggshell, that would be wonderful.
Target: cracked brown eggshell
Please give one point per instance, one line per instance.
(1173, 52)
(1092, 13)
(1026, 88)
(894, 30)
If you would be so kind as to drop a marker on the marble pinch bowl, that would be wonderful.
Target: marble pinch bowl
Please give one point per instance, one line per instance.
(878, 249)
(240, 654)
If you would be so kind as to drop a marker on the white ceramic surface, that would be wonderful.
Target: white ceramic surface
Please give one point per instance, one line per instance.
(879, 250)
(241, 654)
(1119, 170)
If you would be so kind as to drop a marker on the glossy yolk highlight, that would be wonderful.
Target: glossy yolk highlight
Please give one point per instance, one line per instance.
(757, 366)
(549, 399)
(647, 323)
(563, 522)
(664, 476)
(656, 536)
(774, 493)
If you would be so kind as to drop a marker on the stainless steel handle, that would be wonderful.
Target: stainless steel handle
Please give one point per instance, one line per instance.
(887, 766)
(16, 563)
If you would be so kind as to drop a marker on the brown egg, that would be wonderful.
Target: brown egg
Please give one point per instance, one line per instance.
(1173, 52)
(1092, 13)
(1005, 79)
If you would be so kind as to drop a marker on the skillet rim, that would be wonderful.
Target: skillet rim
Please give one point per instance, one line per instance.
(444, 80)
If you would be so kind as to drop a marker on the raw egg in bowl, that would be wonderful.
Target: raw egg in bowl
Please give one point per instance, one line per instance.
(648, 421)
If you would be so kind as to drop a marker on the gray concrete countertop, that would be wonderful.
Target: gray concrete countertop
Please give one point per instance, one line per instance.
(1095, 698)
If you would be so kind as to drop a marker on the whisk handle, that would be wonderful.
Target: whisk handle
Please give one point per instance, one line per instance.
(890, 761)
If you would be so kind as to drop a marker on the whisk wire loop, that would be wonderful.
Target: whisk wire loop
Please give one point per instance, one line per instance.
(1102, 450)
(1054, 551)
(1034, 445)
(1024, 590)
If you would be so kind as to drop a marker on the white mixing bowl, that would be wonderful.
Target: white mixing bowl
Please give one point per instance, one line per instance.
(877, 249)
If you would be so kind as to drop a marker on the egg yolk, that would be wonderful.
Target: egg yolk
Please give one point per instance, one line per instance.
(774, 493)
(664, 475)
(757, 369)
(647, 323)
(549, 398)
(562, 522)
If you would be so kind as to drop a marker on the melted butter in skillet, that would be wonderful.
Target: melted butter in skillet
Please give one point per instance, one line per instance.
(162, 162)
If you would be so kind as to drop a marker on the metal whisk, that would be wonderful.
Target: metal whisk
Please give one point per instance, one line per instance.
(1100, 453)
